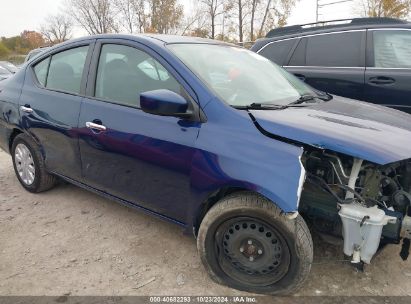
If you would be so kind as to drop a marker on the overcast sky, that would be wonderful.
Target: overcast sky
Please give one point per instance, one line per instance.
(19, 15)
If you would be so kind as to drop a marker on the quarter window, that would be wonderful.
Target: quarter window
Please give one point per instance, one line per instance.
(125, 72)
(41, 69)
(278, 51)
(335, 50)
(392, 49)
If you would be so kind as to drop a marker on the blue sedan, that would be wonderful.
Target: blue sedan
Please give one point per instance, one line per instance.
(218, 140)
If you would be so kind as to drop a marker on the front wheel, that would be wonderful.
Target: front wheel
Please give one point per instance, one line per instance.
(246, 243)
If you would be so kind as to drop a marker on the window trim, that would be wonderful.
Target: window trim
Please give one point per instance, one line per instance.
(82, 93)
(363, 49)
(322, 67)
(198, 114)
(310, 35)
(370, 49)
(275, 41)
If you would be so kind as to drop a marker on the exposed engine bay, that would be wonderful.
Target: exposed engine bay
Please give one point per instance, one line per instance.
(368, 205)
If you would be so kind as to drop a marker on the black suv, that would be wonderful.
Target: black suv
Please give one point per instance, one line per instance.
(365, 58)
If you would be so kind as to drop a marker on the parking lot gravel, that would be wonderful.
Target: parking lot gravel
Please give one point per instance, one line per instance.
(68, 241)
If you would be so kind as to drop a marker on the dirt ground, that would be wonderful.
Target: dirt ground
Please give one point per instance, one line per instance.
(70, 241)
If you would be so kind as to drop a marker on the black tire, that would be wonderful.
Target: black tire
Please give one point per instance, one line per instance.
(42, 179)
(226, 220)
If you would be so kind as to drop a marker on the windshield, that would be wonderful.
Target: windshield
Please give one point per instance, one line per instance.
(241, 77)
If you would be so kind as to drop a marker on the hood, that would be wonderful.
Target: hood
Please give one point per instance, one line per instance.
(359, 129)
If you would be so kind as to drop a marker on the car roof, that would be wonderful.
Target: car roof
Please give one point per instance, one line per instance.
(341, 24)
(153, 38)
(321, 27)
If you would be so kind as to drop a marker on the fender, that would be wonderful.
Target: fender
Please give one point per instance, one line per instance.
(229, 153)
(9, 107)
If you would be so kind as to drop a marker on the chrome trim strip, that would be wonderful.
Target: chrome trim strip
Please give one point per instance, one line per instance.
(322, 67)
(311, 35)
(390, 29)
(377, 68)
(393, 105)
(275, 42)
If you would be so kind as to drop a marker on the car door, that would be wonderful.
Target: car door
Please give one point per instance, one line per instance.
(141, 158)
(388, 70)
(332, 62)
(50, 105)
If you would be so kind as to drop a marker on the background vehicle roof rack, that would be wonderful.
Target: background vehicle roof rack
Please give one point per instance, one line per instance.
(332, 23)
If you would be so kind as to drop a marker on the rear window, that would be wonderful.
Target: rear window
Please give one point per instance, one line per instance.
(335, 50)
(278, 51)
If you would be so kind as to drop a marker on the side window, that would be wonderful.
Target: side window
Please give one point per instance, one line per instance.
(298, 57)
(124, 72)
(40, 69)
(392, 49)
(335, 50)
(66, 70)
(278, 51)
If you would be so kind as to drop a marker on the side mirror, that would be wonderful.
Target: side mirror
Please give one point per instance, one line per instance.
(164, 103)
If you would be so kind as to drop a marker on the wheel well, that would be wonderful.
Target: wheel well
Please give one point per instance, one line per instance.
(13, 136)
(212, 199)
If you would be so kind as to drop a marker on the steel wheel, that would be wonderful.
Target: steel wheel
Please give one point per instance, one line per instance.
(252, 251)
(25, 164)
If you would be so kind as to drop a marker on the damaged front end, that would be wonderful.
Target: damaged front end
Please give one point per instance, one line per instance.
(364, 203)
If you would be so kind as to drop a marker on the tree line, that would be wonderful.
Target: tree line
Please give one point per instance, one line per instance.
(233, 20)
(228, 20)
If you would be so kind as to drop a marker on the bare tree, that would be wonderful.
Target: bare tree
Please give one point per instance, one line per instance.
(126, 13)
(213, 8)
(57, 28)
(242, 12)
(95, 16)
(275, 14)
(131, 15)
(386, 8)
(193, 22)
(254, 5)
(140, 10)
(266, 11)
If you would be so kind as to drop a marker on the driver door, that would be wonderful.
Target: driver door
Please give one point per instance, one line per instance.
(141, 158)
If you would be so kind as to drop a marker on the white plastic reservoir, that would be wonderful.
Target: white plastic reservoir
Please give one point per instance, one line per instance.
(365, 238)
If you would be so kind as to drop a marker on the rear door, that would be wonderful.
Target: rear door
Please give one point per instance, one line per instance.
(50, 105)
(141, 158)
(332, 62)
(388, 73)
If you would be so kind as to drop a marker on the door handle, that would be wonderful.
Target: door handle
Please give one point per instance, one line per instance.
(381, 80)
(26, 109)
(300, 76)
(94, 126)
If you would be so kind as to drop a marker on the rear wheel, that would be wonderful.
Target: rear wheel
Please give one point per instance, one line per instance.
(246, 243)
(29, 165)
